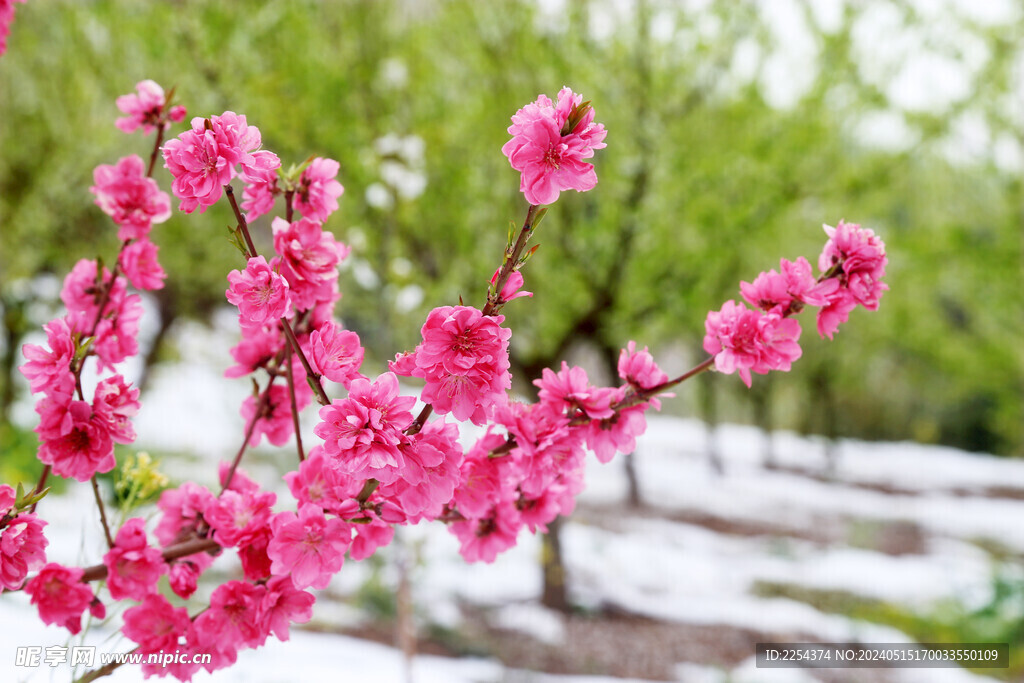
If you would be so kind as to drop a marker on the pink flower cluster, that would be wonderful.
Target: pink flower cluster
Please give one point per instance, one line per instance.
(147, 109)
(315, 196)
(205, 158)
(77, 437)
(857, 258)
(377, 467)
(464, 360)
(22, 543)
(533, 475)
(133, 567)
(550, 141)
(300, 283)
(744, 340)
(240, 615)
(6, 19)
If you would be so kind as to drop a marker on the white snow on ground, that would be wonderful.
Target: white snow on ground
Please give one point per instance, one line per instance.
(664, 569)
(678, 477)
(543, 624)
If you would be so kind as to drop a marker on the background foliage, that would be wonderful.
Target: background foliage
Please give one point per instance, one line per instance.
(708, 178)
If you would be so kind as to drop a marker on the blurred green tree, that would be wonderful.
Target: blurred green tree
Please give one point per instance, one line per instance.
(707, 179)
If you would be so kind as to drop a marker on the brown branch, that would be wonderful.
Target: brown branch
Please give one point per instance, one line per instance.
(242, 224)
(156, 150)
(313, 378)
(101, 672)
(260, 407)
(420, 420)
(103, 511)
(39, 487)
(170, 553)
(294, 405)
(494, 301)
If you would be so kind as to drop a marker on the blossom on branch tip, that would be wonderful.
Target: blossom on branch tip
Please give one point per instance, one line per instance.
(549, 143)
(856, 259)
(788, 290)
(206, 157)
(146, 109)
(745, 341)
(639, 369)
(318, 191)
(512, 286)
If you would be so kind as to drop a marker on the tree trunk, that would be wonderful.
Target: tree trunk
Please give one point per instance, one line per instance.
(405, 624)
(14, 328)
(825, 397)
(555, 595)
(761, 395)
(709, 413)
(167, 309)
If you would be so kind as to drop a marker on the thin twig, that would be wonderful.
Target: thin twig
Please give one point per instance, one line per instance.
(288, 210)
(39, 486)
(311, 376)
(103, 511)
(260, 407)
(420, 420)
(494, 302)
(170, 553)
(294, 403)
(242, 224)
(368, 488)
(156, 150)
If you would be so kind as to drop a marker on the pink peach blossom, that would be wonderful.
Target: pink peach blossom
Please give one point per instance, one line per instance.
(132, 200)
(22, 545)
(318, 192)
(140, 265)
(309, 546)
(146, 109)
(61, 597)
(133, 567)
(549, 157)
(50, 368)
(260, 294)
(336, 353)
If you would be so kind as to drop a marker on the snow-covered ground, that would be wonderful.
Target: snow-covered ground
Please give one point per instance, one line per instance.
(789, 525)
